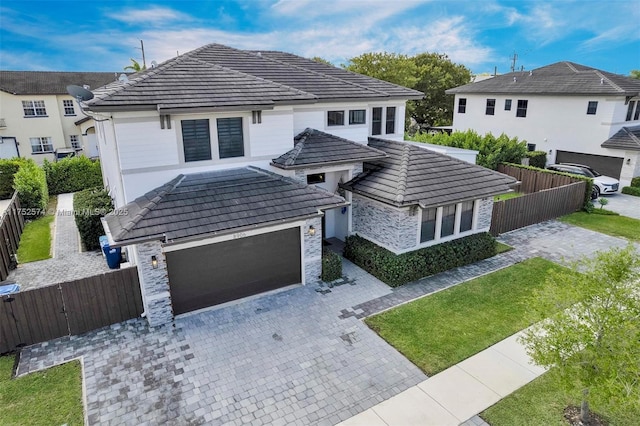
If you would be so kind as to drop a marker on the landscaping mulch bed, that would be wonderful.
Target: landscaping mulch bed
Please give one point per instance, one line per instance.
(572, 416)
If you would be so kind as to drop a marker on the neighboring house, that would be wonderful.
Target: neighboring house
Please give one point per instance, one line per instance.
(37, 116)
(571, 111)
(229, 168)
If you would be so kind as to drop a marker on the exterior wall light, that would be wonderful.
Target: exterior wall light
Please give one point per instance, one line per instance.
(312, 231)
(154, 262)
(628, 161)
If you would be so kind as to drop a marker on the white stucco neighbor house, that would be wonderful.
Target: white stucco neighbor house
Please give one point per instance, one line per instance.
(37, 116)
(571, 111)
(230, 169)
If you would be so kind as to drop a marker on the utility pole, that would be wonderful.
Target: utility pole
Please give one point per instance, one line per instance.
(144, 61)
(513, 58)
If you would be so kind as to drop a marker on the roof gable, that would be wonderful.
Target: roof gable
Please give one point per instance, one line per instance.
(313, 148)
(627, 138)
(50, 82)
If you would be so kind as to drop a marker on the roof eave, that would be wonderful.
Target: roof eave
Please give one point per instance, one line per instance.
(325, 163)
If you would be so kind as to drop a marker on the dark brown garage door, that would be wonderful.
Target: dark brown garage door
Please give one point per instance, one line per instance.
(608, 166)
(209, 275)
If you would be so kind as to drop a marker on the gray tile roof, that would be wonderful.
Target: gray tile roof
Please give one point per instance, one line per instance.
(627, 138)
(216, 76)
(314, 148)
(214, 202)
(50, 82)
(565, 78)
(411, 175)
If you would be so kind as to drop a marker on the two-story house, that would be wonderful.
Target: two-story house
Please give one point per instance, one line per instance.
(569, 110)
(37, 116)
(229, 168)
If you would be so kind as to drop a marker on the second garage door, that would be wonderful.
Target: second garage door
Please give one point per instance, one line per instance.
(209, 275)
(608, 166)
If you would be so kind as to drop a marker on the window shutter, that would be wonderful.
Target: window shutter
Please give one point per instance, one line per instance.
(230, 137)
(196, 140)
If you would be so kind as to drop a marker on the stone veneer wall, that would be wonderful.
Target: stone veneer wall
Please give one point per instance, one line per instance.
(312, 251)
(154, 283)
(384, 225)
(485, 210)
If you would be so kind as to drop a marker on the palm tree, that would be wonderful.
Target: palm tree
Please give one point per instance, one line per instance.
(135, 66)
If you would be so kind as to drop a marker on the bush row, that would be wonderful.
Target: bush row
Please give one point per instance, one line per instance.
(8, 168)
(635, 182)
(631, 190)
(331, 266)
(89, 206)
(396, 270)
(537, 159)
(72, 174)
(30, 183)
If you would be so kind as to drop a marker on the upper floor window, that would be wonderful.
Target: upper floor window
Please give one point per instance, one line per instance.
(41, 144)
(491, 107)
(637, 114)
(507, 104)
(462, 105)
(592, 107)
(230, 137)
(391, 120)
(376, 121)
(315, 178)
(196, 140)
(335, 118)
(68, 107)
(630, 114)
(34, 108)
(522, 108)
(357, 116)
(75, 141)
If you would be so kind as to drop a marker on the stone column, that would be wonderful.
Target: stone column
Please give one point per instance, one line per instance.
(154, 283)
(312, 251)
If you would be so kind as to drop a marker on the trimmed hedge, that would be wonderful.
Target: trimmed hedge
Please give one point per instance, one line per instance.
(331, 266)
(537, 159)
(631, 190)
(72, 174)
(31, 184)
(396, 270)
(8, 169)
(89, 206)
(635, 182)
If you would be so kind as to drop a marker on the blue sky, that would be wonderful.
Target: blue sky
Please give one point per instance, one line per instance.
(481, 34)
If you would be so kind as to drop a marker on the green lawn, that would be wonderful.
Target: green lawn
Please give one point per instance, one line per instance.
(35, 242)
(502, 248)
(542, 403)
(507, 196)
(438, 331)
(617, 226)
(50, 397)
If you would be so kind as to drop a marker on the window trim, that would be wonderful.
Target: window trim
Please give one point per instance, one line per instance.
(316, 178)
(490, 108)
(592, 107)
(69, 105)
(521, 111)
(75, 139)
(387, 121)
(630, 108)
(244, 144)
(457, 232)
(213, 138)
(462, 105)
(507, 104)
(354, 123)
(337, 111)
(40, 139)
(33, 108)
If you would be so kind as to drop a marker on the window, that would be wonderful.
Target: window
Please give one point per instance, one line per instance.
(466, 216)
(230, 137)
(491, 107)
(196, 140)
(75, 142)
(462, 105)
(428, 227)
(357, 116)
(507, 104)
(448, 220)
(68, 107)
(42, 144)
(34, 108)
(335, 118)
(637, 114)
(391, 120)
(376, 121)
(522, 108)
(632, 104)
(531, 147)
(592, 107)
(315, 178)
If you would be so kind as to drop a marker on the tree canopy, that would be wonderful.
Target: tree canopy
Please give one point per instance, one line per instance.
(430, 73)
(135, 66)
(635, 74)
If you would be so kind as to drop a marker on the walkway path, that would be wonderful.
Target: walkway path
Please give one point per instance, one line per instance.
(67, 263)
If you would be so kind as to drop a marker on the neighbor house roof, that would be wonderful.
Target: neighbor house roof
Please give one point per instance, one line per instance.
(315, 148)
(218, 77)
(50, 82)
(411, 175)
(566, 78)
(626, 138)
(214, 202)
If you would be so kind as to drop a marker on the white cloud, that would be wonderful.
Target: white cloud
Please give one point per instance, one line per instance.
(153, 15)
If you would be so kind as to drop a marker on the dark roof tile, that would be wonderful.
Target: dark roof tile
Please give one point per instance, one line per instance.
(50, 82)
(627, 138)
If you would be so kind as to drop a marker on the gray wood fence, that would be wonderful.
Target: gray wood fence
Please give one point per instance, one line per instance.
(11, 227)
(69, 308)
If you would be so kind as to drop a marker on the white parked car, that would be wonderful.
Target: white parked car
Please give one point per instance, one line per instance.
(601, 184)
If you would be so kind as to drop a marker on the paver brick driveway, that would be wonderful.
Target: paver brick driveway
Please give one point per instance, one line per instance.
(286, 358)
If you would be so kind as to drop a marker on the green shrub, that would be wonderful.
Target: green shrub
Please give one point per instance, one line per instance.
(396, 270)
(89, 206)
(72, 174)
(8, 168)
(331, 266)
(635, 182)
(31, 184)
(631, 190)
(537, 159)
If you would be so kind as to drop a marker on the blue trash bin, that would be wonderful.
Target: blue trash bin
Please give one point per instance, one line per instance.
(5, 290)
(112, 254)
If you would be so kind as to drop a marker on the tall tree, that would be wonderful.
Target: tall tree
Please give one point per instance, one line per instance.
(321, 60)
(135, 66)
(635, 74)
(594, 337)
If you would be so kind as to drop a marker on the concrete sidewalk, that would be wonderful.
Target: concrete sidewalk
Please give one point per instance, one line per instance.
(459, 392)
